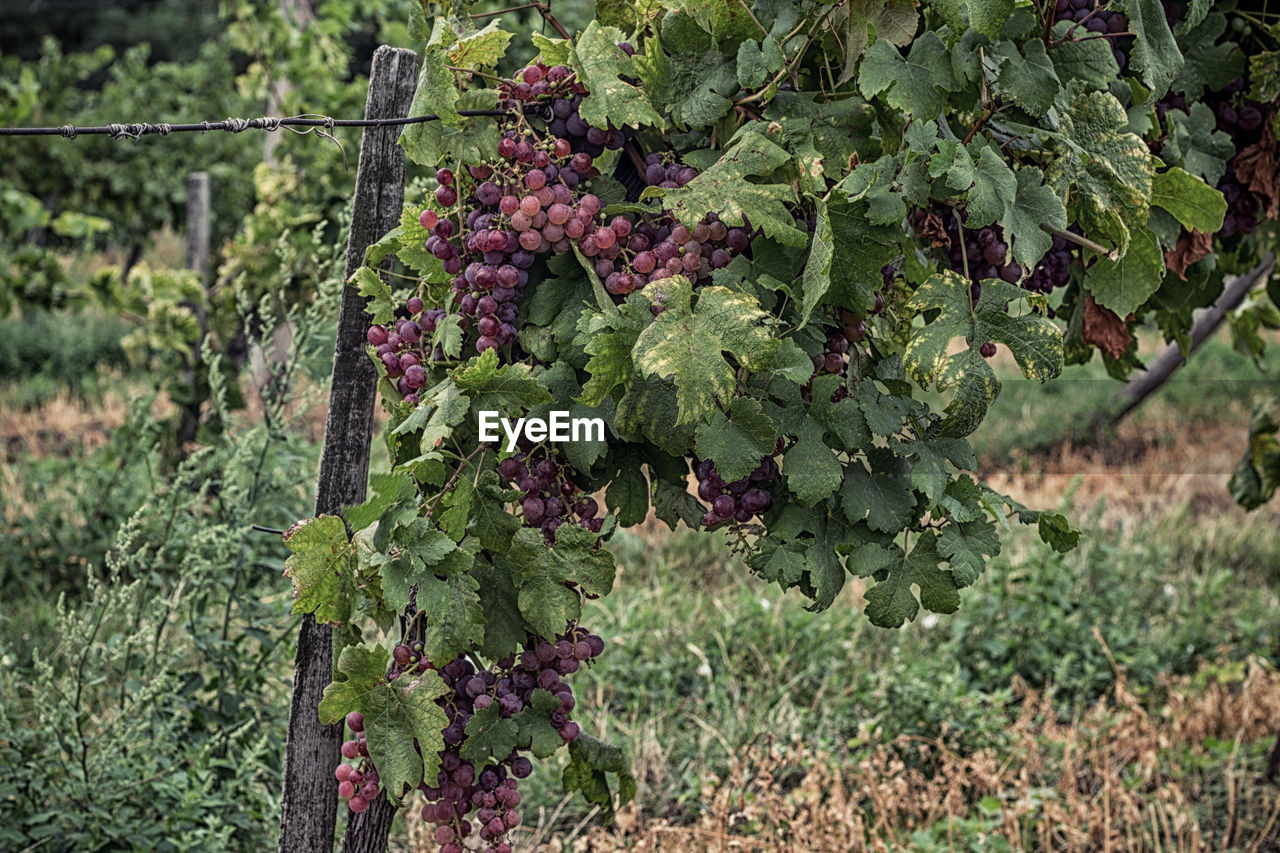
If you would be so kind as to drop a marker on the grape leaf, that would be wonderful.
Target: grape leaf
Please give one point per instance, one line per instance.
(688, 344)
(1034, 205)
(856, 21)
(891, 602)
(650, 409)
(842, 420)
(490, 522)
(481, 49)
(608, 338)
(1155, 51)
(424, 551)
(1264, 76)
(1126, 284)
(552, 51)
(810, 467)
(915, 82)
(881, 495)
(1198, 206)
(323, 567)
(1088, 61)
(388, 490)
(845, 262)
(685, 74)
(1027, 77)
(738, 441)
(395, 715)
(1197, 145)
(929, 470)
(431, 143)
(600, 64)
(628, 492)
(995, 187)
(536, 733)
(1257, 474)
(540, 572)
(381, 305)
(724, 189)
(490, 737)
(1210, 65)
(1104, 170)
(1036, 344)
(756, 61)
(590, 763)
(966, 545)
(505, 388)
(504, 627)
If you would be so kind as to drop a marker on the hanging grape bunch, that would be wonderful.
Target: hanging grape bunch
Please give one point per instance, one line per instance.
(1096, 18)
(473, 784)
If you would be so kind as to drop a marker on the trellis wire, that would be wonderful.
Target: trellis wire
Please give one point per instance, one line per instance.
(137, 130)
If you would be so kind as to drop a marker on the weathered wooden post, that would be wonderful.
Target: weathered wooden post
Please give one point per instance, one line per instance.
(309, 802)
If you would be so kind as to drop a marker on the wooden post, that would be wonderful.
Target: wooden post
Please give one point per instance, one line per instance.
(198, 224)
(1162, 367)
(197, 260)
(309, 802)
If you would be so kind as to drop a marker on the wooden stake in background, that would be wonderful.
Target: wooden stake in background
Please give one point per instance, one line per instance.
(309, 802)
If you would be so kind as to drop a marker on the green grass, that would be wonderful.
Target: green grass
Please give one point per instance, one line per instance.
(703, 659)
(1028, 415)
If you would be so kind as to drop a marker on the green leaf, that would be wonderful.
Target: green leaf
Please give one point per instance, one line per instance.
(688, 344)
(845, 261)
(424, 550)
(1192, 202)
(1126, 284)
(1210, 65)
(995, 188)
(591, 761)
(857, 21)
(388, 490)
(1034, 205)
(1104, 171)
(540, 571)
(989, 16)
(881, 495)
(381, 304)
(1027, 77)
(536, 733)
(601, 64)
(1155, 51)
(891, 602)
(508, 388)
(1057, 532)
(915, 83)
(843, 420)
(490, 737)
(736, 442)
(810, 467)
(481, 49)
(1257, 475)
(966, 546)
(504, 627)
(395, 716)
(552, 51)
(753, 69)
(1264, 76)
(1035, 341)
(685, 75)
(724, 189)
(1088, 61)
(322, 565)
(431, 143)
(1197, 145)
(628, 493)
(929, 470)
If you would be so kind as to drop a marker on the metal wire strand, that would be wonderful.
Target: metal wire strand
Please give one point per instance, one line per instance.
(321, 125)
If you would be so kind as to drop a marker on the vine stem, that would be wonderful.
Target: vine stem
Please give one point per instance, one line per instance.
(964, 252)
(1109, 254)
(545, 11)
(987, 109)
(747, 6)
(479, 15)
(457, 472)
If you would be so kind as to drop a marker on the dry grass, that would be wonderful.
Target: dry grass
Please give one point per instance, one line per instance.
(1117, 778)
(64, 425)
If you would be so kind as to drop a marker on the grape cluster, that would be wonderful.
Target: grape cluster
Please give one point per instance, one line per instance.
(1096, 18)
(551, 498)
(1242, 119)
(402, 346)
(740, 500)
(464, 789)
(988, 256)
(357, 783)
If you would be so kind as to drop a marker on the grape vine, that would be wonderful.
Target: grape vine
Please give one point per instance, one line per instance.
(745, 240)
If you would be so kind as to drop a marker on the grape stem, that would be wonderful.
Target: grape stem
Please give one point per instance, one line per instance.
(478, 15)
(747, 6)
(545, 12)
(964, 253)
(457, 472)
(1109, 254)
(988, 109)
